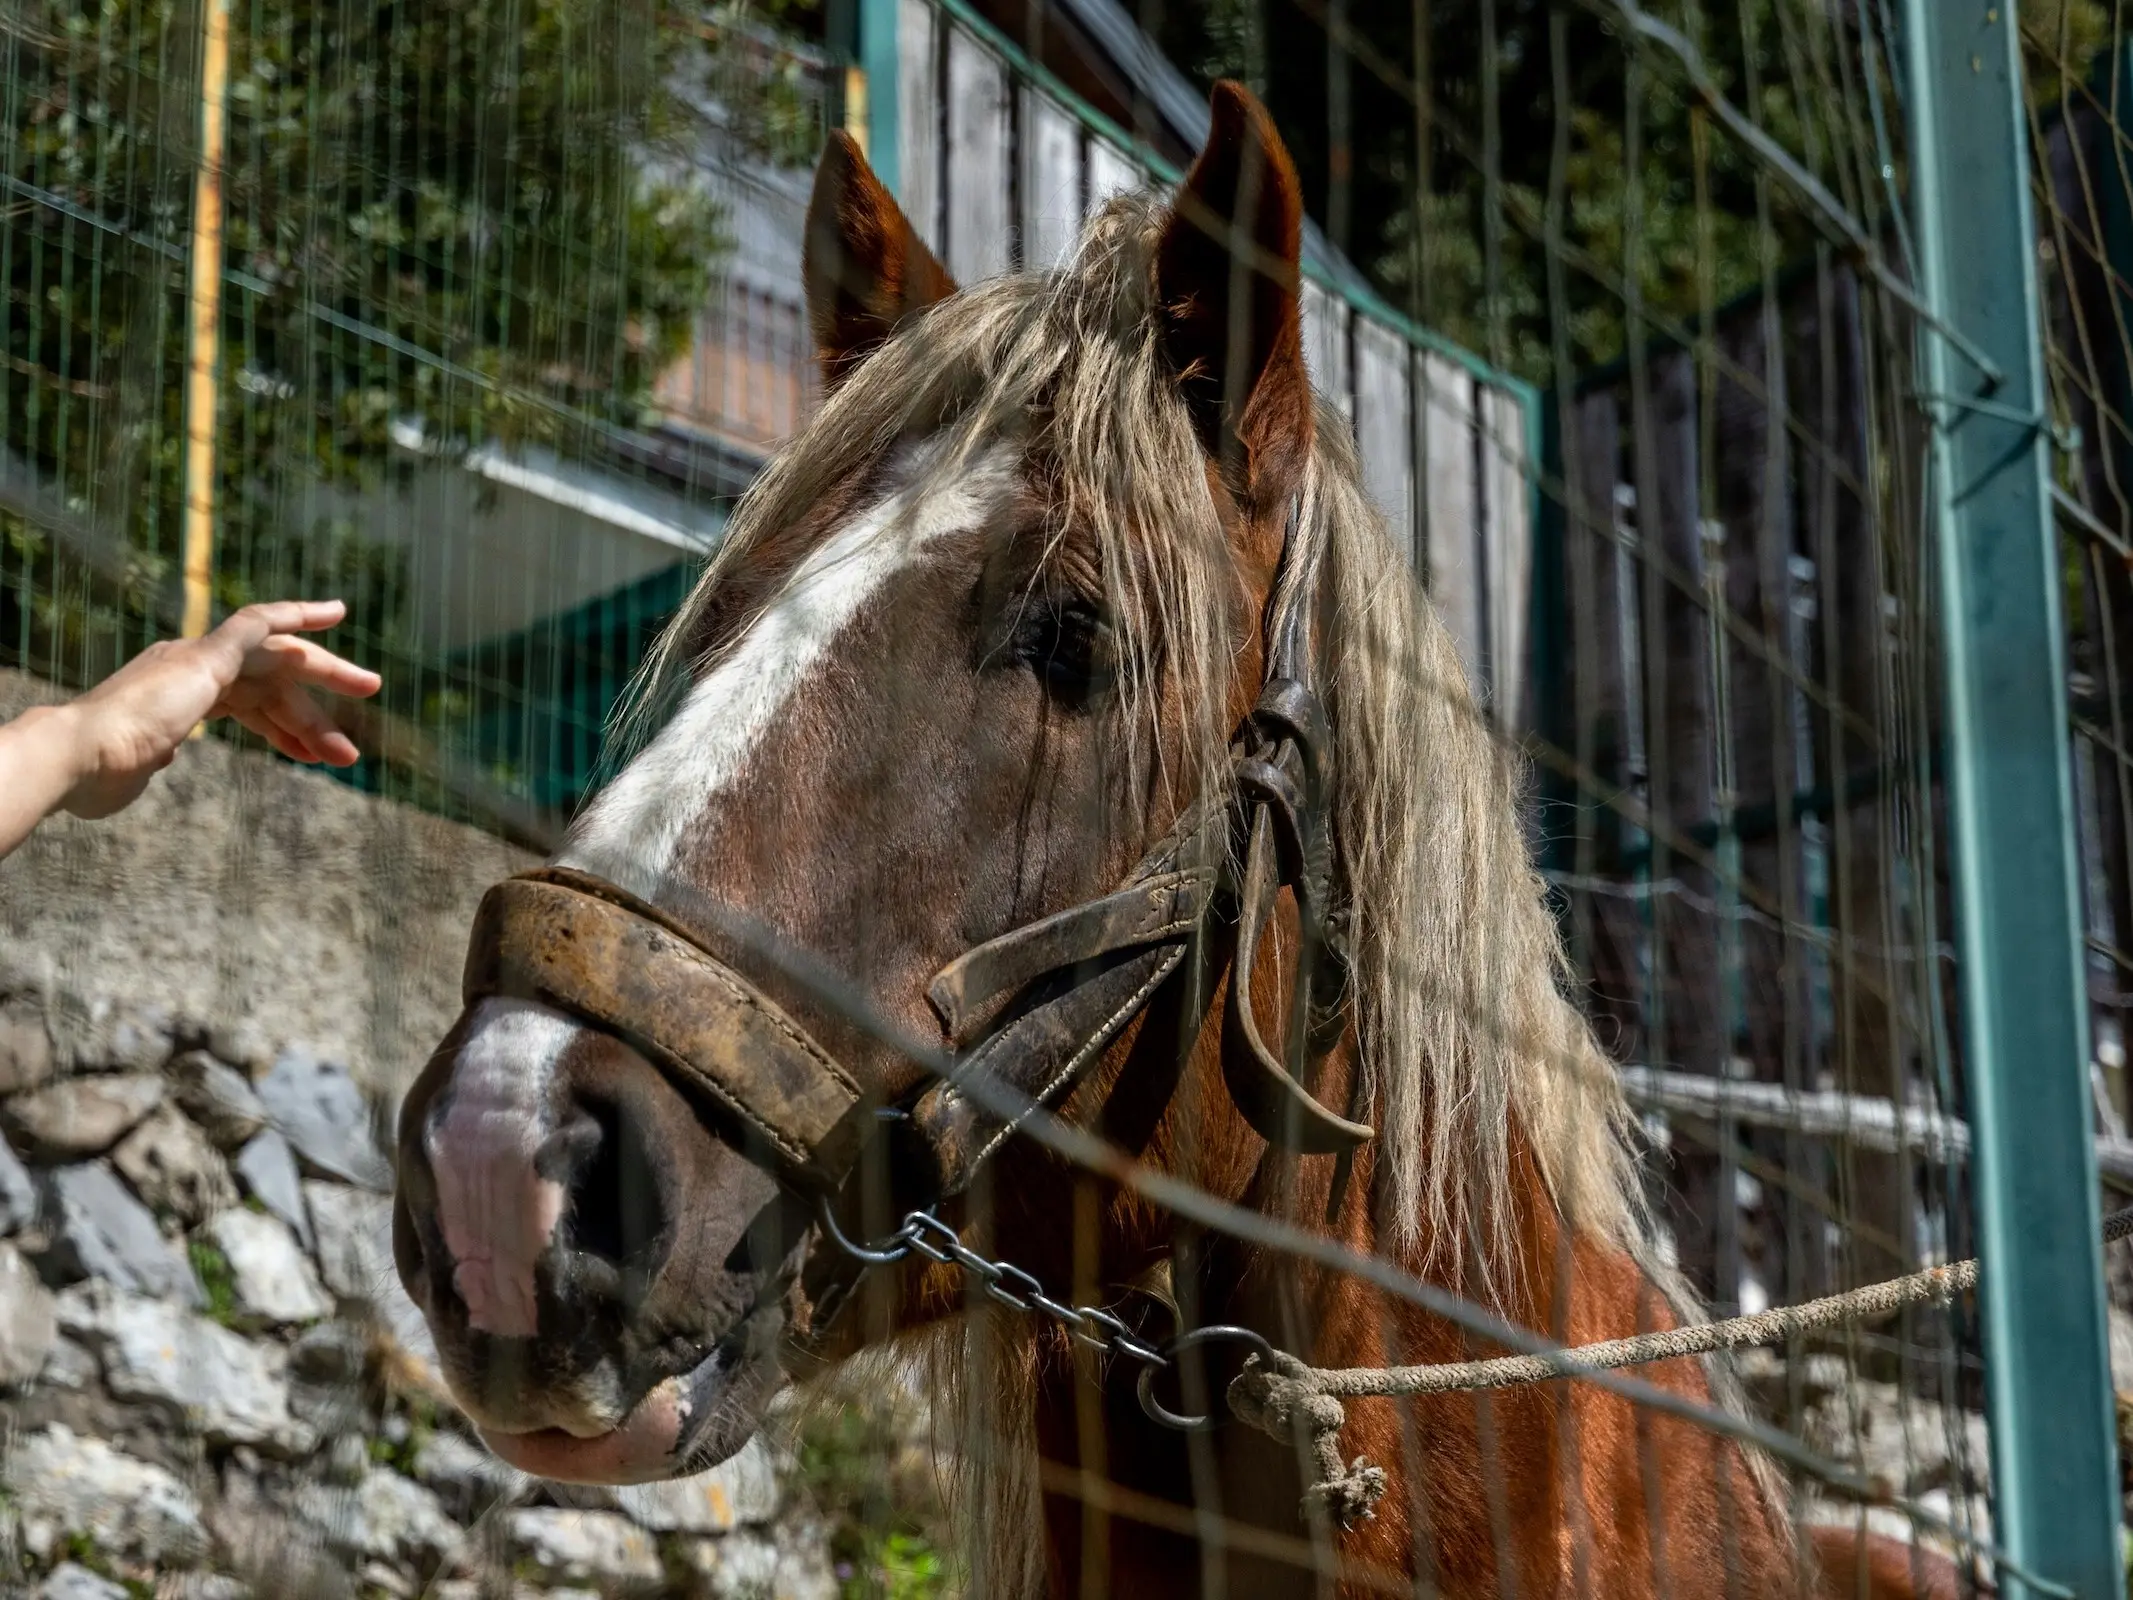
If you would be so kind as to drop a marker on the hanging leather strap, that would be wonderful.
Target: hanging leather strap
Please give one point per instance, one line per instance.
(1268, 1090)
(579, 943)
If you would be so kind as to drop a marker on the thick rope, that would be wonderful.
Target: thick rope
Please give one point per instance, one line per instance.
(1288, 1399)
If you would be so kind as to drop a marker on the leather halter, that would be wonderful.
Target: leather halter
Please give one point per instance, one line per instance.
(1034, 1008)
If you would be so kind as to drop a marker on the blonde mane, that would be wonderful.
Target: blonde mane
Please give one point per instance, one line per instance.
(1459, 974)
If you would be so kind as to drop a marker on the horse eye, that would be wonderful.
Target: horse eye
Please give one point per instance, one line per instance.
(1068, 647)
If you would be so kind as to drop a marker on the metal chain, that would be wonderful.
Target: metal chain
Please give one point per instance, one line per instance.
(925, 1234)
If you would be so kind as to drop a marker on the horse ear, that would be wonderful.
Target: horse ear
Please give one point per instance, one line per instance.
(863, 267)
(1226, 281)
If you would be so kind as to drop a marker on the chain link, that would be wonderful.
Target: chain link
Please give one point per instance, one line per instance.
(923, 1233)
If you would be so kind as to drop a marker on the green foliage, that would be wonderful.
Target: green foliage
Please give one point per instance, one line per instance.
(478, 218)
(212, 1268)
(400, 1454)
(890, 1539)
(1663, 213)
(911, 1569)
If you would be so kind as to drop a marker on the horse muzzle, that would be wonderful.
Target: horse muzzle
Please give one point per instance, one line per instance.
(606, 1278)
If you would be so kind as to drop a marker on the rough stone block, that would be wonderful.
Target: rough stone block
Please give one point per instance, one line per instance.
(229, 1389)
(266, 1166)
(218, 1097)
(592, 1547)
(737, 1492)
(25, 1046)
(29, 1326)
(64, 1484)
(325, 1117)
(382, 1515)
(18, 1192)
(81, 1116)
(355, 1239)
(171, 1165)
(272, 1277)
(467, 1477)
(67, 1581)
(68, 1366)
(99, 1230)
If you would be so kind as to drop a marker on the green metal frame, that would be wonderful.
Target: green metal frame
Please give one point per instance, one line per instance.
(2014, 849)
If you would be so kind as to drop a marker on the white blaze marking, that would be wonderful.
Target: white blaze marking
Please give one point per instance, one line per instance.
(632, 832)
(496, 1213)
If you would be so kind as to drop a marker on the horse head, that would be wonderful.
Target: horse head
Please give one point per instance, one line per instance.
(969, 664)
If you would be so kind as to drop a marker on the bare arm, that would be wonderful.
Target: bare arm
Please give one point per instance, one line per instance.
(94, 755)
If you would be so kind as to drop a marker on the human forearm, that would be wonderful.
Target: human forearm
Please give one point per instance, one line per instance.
(41, 755)
(96, 754)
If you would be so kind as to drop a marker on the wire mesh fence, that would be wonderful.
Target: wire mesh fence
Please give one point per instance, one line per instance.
(495, 320)
(494, 285)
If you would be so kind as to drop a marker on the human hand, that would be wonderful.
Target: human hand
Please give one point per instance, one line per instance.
(128, 728)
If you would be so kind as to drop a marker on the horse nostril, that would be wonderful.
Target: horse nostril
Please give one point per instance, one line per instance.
(614, 1216)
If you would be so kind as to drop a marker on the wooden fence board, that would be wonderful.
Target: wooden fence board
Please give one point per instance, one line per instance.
(1778, 1243)
(1691, 1026)
(1872, 1054)
(1325, 342)
(1444, 393)
(1507, 531)
(1110, 173)
(1384, 428)
(1051, 181)
(979, 153)
(918, 118)
(1607, 927)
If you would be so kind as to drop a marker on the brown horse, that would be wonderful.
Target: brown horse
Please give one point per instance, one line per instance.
(977, 652)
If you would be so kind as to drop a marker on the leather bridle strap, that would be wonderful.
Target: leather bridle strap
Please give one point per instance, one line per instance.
(579, 943)
(1033, 1009)
(1283, 758)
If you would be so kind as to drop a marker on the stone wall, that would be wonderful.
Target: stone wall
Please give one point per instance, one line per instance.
(211, 1383)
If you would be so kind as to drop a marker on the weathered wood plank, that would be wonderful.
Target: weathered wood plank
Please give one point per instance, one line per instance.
(1507, 523)
(1325, 342)
(1384, 427)
(918, 118)
(1051, 181)
(1605, 743)
(1875, 1051)
(1862, 1121)
(1691, 1026)
(1779, 1243)
(1452, 538)
(1110, 172)
(980, 183)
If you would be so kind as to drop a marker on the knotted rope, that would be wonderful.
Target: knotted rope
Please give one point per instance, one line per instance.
(1288, 1399)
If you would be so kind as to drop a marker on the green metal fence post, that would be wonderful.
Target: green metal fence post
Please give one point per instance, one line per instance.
(879, 61)
(2018, 908)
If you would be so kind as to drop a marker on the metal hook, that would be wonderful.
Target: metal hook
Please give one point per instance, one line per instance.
(1144, 1388)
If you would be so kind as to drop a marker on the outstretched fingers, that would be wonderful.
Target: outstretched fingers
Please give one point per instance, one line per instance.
(300, 661)
(268, 675)
(264, 618)
(296, 725)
